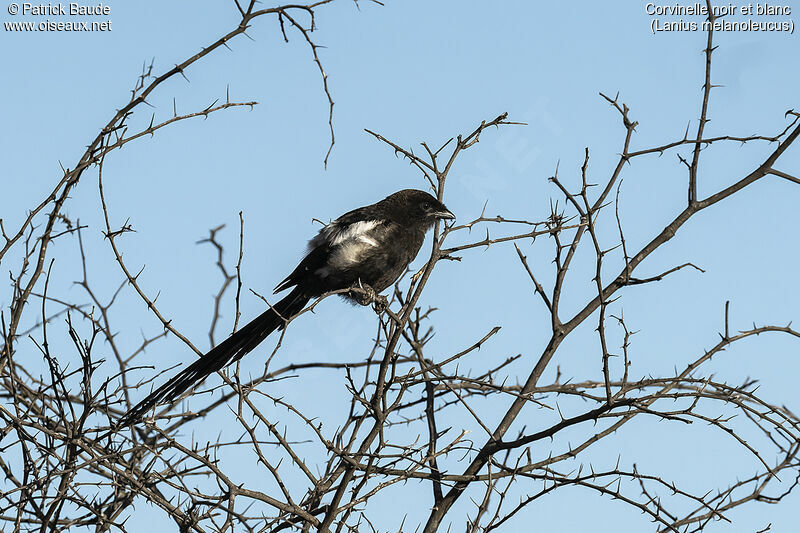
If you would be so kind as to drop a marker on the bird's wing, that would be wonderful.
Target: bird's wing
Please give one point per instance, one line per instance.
(314, 260)
(338, 233)
(352, 227)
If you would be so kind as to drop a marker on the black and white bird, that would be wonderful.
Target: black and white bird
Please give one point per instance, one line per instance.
(368, 248)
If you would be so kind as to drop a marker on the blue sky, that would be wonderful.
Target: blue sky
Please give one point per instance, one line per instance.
(421, 71)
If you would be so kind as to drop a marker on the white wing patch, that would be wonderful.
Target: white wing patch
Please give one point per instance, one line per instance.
(351, 241)
(337, 234)
(368, 240)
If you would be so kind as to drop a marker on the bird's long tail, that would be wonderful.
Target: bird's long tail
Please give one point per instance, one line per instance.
(231, 349)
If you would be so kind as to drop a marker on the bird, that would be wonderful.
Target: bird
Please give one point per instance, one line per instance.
(366, 249)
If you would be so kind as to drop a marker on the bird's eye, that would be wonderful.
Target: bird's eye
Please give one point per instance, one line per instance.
(426, 206)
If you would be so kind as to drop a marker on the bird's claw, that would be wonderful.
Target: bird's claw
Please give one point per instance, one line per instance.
(364, 294)
(381, 303)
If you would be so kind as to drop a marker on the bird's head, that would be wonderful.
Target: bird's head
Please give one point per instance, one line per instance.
(419, 206)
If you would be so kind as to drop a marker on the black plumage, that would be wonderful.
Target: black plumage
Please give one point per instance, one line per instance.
(369, 247)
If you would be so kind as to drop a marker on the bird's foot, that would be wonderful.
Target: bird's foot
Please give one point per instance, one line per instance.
(363, 293)
(381, 303)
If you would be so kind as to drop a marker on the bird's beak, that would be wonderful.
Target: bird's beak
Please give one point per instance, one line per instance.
(445, 214)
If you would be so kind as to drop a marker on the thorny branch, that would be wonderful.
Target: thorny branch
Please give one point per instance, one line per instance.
(406, 413)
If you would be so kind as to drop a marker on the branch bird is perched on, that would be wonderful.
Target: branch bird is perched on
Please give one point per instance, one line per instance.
(367, 248)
